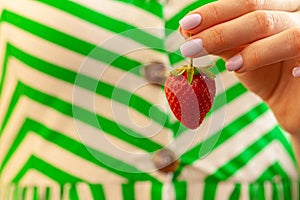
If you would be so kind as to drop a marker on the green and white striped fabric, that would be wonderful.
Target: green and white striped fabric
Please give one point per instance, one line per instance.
(79, 120)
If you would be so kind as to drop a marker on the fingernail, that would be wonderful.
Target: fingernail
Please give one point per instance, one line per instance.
(190, 21)
(191, 47)
(234, 63)
(296, 72)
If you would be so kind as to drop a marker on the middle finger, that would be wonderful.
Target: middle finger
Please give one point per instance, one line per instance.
(241, 31)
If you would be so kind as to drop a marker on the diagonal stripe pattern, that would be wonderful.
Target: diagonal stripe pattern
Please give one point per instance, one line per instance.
(52, 147)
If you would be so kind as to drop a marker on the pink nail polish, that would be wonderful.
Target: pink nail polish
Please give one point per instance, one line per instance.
(191, 47)
(190, 21)
(234, 63)
(296, 72)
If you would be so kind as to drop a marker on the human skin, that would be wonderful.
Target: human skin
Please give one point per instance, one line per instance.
(260, 42)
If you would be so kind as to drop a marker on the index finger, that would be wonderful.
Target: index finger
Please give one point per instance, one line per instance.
(224, 10)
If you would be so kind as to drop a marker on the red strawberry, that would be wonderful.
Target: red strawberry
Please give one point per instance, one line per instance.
(190, 92)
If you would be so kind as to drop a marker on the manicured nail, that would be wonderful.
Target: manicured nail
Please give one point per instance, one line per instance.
(296, 72)
(234, 63)
(191, 47)
(190, 21)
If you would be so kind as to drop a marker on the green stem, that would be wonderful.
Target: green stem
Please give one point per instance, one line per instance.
(191, 62)
(191, 59)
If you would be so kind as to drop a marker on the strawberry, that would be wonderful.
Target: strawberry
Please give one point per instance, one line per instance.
(190, 92)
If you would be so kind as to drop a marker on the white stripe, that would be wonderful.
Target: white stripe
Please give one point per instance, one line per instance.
(173, 41)
(224, 190)
(142, 190)
(113, 191)
(84, 191)
(61, 20)
(270, 154)
(168, 190)
(29, 193)
(57, 157)
(268, 190)
(91, 137)
(54, 192)
(66, 191)
(72, 60)
(244, 191)
(246, 137)
(34, 177)
(95, 69)
(218, 120)
(27, 108)
(175, 6)
(115, 111)
(195, 190)
(134, 15)
(140, 160)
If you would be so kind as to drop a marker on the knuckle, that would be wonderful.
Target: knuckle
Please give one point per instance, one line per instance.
(218, 37)
(254, 57)
(214, 10)
(293, 40)
(263, 22)
(251, 5)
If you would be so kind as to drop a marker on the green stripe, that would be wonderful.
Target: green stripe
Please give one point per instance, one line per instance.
(101, 88)
(287, 146)
(275, 192)
(97, 191)
(235, 164)
(173, 23)
(73, 146)
(220, 137)
(235, 195)
(156, 191)
(128, 191)
(107, 22)
(17, 193)
(256, 191)
(175, 57)
(287, 189)
(84, 115)
(210, 189)
(273, 170)
(180, 190)
(73, 192)
(35, 193)
(228, 95)
(152, 6)
(24, 192)
(47, 193)
(276, 171)
(69, 42)
(45, 168)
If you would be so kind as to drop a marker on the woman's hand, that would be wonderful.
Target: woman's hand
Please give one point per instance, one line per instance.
(260, 41)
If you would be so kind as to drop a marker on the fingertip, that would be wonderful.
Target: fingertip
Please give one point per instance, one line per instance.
(296, 72)
(184, 34)
(190, 21)
(234, 63)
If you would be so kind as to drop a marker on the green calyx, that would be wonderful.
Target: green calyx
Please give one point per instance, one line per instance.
(191, 71)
